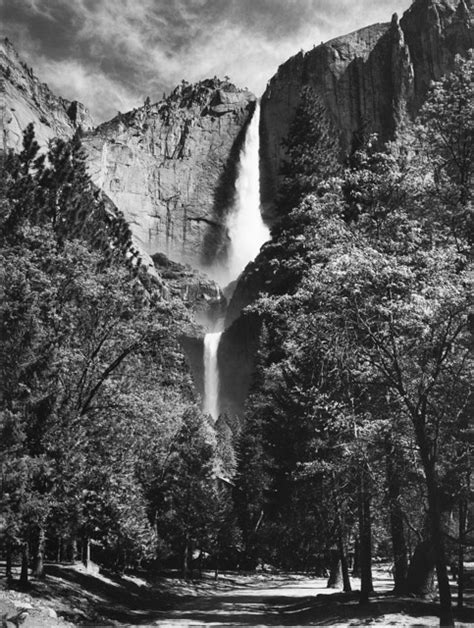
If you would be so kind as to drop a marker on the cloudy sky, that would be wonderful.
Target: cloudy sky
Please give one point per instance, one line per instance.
(111, 54)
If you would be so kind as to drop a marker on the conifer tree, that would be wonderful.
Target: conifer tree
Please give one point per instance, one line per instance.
(187, 495)
(85, 362)
(312, 151)
(447, 129)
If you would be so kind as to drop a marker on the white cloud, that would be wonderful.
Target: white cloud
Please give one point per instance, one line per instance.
(117, 52)
(101, 95)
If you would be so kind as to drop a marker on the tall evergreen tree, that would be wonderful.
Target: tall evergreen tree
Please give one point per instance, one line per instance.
(312, 151)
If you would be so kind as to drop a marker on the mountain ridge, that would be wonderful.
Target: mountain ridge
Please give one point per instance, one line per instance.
(24, 99)
(368, 79)
(170, 166)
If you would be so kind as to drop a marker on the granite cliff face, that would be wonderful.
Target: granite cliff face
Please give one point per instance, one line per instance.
(195, 290)
(367, 79)
(170, 168)
(24, 99)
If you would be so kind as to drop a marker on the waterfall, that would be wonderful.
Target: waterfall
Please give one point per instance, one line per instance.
(245, 227)
(247, 232)
(211, 375)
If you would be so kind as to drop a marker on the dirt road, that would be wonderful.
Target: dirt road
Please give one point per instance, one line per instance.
(68, 594)
(255, 603)
(294, 600)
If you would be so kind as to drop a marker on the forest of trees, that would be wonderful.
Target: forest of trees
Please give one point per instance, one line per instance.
(357, 436)
(103, 446)
(359, 424)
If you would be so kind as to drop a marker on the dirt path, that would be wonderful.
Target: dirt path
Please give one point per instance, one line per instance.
(68, 594)
(293, 600)
(258, 603)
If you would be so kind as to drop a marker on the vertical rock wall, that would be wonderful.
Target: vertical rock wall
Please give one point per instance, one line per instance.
(367, 79)
(170, 168)
(24, 99)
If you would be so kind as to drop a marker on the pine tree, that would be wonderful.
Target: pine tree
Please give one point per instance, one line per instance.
(312, 151)
(187, 495)
(447, 130)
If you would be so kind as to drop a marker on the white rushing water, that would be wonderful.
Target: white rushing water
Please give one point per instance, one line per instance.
(247, 232)
(211, 375)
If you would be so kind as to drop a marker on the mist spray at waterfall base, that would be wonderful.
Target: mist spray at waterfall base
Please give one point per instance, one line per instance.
(247, 232)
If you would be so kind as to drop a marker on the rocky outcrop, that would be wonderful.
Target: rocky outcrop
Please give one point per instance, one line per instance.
(367, 79)
(202, 297)
(194, 289)
(236, 358)
(170, 168)
(435, 32)
(24, 99)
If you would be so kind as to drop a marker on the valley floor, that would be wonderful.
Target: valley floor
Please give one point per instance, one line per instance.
(70, 597)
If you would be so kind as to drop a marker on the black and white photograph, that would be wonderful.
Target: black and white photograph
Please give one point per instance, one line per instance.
(236, 313)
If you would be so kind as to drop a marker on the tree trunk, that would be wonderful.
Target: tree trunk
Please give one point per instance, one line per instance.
(124, 560)
(73, 551)
(462, 539)
(24, 564)
(38, 561)
(346, 581)
(365, 534)
(335, 573)
(437, 533)
(86, 552)
(420, 578)
(434, 516)
(400, 562)
(356, 565)
(59, 550)
(8, 565)
(186, 558)
(200, 563)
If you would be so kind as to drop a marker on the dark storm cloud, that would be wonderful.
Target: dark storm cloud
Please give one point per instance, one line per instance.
(110, 54)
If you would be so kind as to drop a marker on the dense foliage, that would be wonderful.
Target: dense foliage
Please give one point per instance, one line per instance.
(357, 436)
(311, 149)
(99, 428)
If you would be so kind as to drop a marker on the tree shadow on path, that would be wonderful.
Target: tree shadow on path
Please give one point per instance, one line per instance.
(319, 610)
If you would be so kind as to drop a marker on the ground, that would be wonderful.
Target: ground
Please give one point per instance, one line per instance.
(69, 597)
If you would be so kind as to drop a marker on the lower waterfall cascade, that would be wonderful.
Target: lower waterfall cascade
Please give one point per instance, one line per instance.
(247, 232)
(211, 375)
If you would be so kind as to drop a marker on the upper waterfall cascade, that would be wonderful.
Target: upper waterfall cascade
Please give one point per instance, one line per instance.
(245, 227)
(247, 232)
